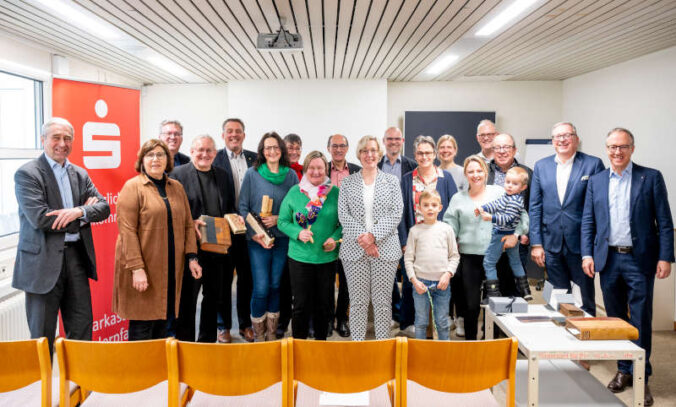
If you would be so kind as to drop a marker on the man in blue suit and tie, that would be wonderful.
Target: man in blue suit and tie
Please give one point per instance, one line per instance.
(556, 204)
(627, 236)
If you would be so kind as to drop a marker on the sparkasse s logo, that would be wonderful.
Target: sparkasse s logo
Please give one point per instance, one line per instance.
(107, 140)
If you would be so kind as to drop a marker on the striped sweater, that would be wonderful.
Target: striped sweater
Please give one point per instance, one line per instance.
(506, 212)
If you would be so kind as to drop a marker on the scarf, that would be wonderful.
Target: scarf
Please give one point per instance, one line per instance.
(317, 195)
(270, 176)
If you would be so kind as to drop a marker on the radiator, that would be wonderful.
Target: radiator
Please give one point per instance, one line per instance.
(13, 325)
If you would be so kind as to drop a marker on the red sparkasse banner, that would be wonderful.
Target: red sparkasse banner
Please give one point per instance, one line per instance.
(106, 122)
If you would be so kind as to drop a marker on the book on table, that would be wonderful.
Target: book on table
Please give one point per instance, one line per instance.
(601, 328)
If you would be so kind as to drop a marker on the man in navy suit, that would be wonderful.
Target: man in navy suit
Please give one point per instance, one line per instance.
(627, 237)
(556, 203)
(236, 160)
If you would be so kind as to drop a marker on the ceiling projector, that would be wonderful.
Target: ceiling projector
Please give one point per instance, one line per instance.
(281, 41)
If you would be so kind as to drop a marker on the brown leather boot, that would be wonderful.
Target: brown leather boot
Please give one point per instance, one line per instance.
(258, 325)
(273, 320)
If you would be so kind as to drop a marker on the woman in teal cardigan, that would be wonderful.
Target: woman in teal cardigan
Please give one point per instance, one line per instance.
(309, 216)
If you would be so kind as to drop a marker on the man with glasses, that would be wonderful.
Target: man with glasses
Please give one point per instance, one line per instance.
(393, 162)
(171, 132)
(339, 168)
(627, 237)
(236, 160)
(485, 132)
(209, 193)
(556, 203)
(504, 157)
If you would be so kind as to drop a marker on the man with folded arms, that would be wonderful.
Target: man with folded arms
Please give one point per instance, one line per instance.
(55, 257)
(628, 237)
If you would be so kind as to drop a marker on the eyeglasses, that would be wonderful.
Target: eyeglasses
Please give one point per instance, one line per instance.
(293, 148)
(271, 148)
(369, 152)
(424, 153)
(172, 134)
(339, 146)
(159, 156)
(623, 148)
(500, 149)
(564, 136)
(486, 135)
(393, 139)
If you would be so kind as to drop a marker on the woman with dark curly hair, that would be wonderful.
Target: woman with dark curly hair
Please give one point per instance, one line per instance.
(270, 176)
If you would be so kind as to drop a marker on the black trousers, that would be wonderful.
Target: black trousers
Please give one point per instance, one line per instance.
(144, 330)
(312, 287)
(216, 284)
(467, 291)
(70, 294)
(343, 302)
(217, 273)
(240, 260)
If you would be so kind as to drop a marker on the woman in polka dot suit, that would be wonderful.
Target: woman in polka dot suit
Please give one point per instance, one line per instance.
(369, 209)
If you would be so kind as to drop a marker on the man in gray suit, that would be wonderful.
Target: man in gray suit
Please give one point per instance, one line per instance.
(55, 256)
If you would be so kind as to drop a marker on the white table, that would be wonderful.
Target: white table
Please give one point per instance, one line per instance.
(545, 340)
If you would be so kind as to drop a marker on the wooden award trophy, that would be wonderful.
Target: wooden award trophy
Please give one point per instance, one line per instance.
(256, 221)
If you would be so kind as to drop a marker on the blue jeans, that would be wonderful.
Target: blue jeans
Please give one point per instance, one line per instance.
(493, 254)
(267, 266)
(440, 300)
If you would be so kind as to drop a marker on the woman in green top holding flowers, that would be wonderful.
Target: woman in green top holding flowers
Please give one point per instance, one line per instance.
(269, 176)
(309, 216)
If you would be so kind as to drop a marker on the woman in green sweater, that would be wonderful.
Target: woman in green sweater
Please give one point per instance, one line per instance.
(309, 216)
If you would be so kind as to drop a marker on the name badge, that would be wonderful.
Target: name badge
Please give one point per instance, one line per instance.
(584, 178)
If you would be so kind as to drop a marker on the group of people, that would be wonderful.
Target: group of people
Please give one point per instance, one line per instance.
(442, 227)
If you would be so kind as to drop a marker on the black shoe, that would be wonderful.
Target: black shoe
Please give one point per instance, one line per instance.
(620, 382)
(492, 289)
(523, 288)
(329, 331)
(343, 329)
(647, 396)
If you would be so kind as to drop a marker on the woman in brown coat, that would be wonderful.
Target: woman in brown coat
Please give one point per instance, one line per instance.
(156, 234)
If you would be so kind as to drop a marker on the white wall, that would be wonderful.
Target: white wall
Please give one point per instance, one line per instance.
(201, 109)
(638, 95)
(523, 109)
(313, 109)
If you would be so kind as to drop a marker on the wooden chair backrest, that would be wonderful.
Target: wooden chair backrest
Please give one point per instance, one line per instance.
(227, 369)
(459, 367)
(26, 362)
(342, 366)
(111, 367)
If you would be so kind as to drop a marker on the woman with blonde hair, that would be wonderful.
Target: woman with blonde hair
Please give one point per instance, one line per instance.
(447, 149)
(474, 236)
(369, 208)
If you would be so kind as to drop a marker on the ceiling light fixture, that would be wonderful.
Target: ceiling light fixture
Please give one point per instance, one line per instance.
(502, 19)
(81, 20)
(441, 64)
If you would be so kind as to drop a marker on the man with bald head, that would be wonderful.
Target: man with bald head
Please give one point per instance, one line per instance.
(504, 157)
(393, 162)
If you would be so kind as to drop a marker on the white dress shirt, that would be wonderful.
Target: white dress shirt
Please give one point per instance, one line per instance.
(563, 175)
(239, 167)
(369, 195)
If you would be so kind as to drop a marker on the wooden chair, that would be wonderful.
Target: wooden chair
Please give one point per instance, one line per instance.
(344, 367)
(227, 370)
(23, 363)
(459, 367)
(108, 369)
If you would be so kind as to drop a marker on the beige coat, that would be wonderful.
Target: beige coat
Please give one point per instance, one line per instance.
(142, 243)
